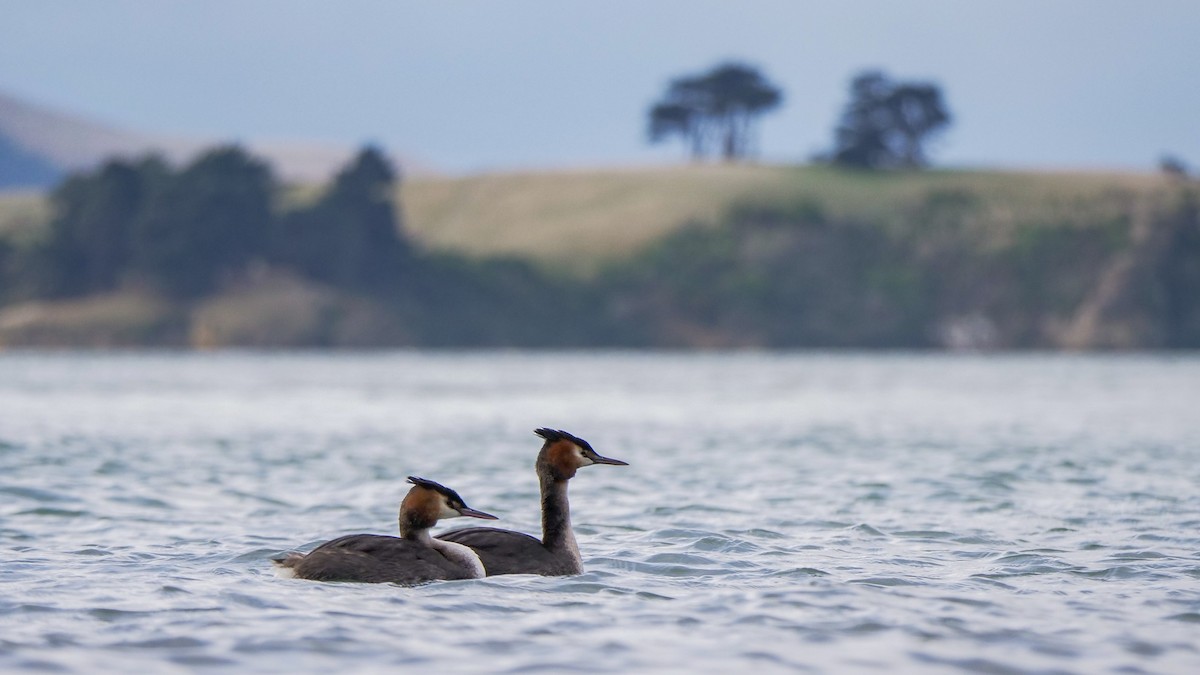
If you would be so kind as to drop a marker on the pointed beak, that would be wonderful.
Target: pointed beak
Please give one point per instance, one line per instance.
(472, 513)
(608, 460)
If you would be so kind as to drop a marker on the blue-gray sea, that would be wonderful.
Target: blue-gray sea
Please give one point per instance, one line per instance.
(781, 512)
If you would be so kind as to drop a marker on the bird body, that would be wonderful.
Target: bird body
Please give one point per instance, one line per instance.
(413, 557)
(557, 553)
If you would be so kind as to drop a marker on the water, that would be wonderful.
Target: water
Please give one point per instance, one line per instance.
(823, 513)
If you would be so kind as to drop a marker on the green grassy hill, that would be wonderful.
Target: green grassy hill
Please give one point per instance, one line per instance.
(576, 219)
(22, 214)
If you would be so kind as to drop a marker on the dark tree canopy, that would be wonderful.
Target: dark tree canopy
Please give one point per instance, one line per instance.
(187, 231)
(351, 237)
(89, 242)
(142, 222)
(1173, 166)
(204, 222)
(887, 124)
(713, 113)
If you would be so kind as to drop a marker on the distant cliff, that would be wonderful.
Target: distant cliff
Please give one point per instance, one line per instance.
(935, 277)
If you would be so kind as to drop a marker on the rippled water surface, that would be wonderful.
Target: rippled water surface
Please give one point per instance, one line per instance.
(825, 513)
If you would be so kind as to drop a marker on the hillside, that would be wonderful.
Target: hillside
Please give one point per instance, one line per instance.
(704, 257)
(575, 220)
(22, 213)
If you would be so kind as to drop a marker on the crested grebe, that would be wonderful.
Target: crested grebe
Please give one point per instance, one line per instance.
(411, 558)
(507, 552)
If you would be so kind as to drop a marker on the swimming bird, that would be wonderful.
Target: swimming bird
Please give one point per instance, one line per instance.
(557, 554)
(412, 558)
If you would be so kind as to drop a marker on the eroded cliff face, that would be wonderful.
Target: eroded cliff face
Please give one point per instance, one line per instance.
(960, 279)
(1142, 294)
(1148, 295)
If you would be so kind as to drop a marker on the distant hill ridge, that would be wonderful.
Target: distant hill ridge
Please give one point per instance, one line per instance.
(713, 256)
(38, 145)
(20, 168)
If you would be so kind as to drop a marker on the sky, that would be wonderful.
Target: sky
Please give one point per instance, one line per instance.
(461, 86)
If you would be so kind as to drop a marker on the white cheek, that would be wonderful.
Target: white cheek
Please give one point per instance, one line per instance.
(583, 459)
(447, 512)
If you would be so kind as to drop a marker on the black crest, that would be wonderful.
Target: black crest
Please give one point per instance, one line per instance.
(560, 435)
(451, 495)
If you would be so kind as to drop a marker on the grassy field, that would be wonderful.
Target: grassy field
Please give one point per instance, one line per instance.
(576, 217)
(574, 220)
(22, 214)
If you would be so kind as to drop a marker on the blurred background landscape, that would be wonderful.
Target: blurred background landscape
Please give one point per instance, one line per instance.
(935, 175)
(854, 287)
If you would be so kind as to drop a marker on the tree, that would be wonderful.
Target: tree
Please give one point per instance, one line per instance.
(1173, 166)
(89, 244)
(714, 112)
(351, 236)
(204, 222)
(887, 124)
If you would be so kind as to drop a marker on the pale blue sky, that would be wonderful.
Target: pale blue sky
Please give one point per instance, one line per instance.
(467, 86)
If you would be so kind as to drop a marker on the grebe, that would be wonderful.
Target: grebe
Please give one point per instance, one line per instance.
(557, 554)
(412, 558)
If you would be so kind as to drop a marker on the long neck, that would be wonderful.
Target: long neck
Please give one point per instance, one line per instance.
(415, 524)
(468, 562)
(419, 535)
(557, 534)
(466, 559)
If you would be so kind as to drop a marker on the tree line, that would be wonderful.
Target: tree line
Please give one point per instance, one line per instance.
(885, 123)
(196, 231)
(185, 232)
